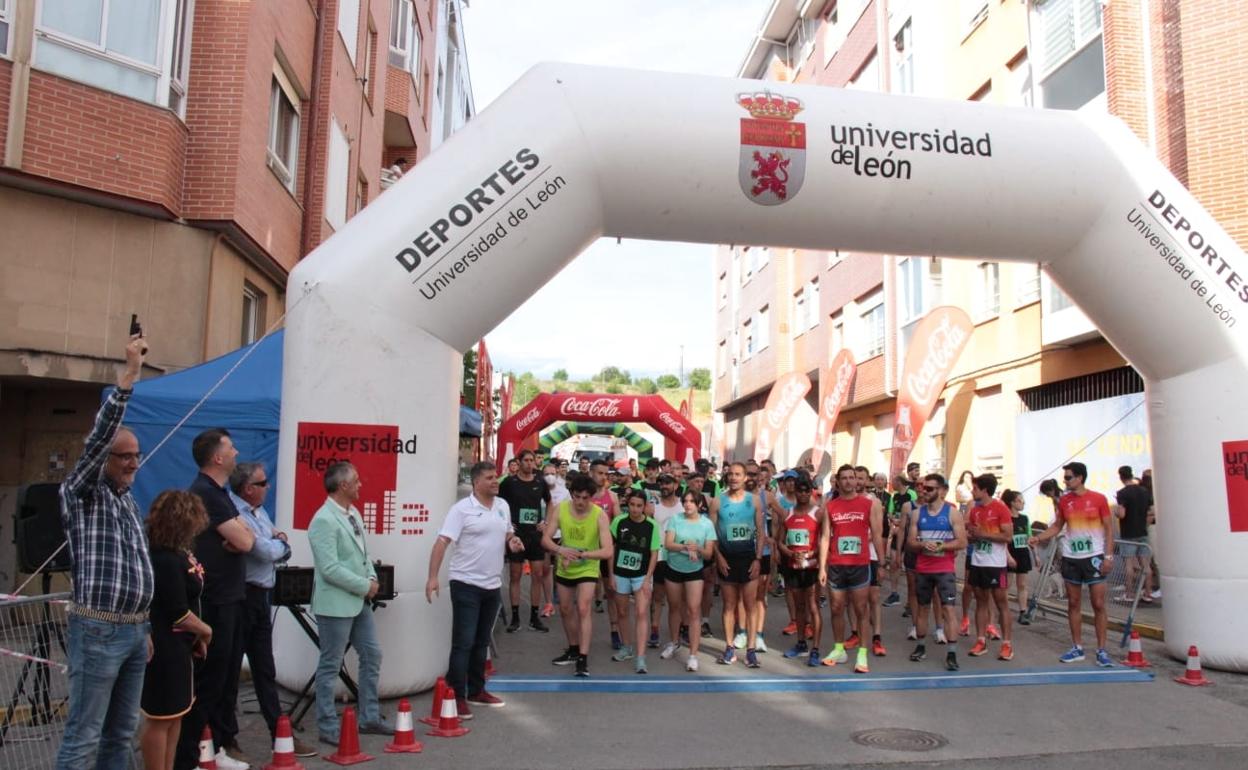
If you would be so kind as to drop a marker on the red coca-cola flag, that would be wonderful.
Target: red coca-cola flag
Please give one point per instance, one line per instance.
(934, 349)
(834, 382)
(786, 394)
(684, 409)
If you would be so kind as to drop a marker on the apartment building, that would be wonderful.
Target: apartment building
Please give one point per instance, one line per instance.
(1037, 380)
(176, 159)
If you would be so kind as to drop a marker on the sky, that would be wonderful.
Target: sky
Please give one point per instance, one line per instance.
(582, 320)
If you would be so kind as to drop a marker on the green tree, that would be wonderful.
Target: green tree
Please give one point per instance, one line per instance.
(561, 375)
(469, 390)
(584, 386)
(667, 381)
(700, 379)
(614, 387)
(647, 386)
(526, 389)
(611, 374)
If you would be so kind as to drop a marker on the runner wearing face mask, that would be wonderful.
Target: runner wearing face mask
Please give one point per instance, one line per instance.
(528, 497)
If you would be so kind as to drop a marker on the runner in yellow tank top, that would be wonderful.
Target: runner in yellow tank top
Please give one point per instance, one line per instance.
(586, 541)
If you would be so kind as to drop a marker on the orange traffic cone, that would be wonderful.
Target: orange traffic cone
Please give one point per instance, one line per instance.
(448, 722)
(436, 712)
(1135, 653)
(207, 757)
(348, 752)
(283, 747)
(404, 737)
(1193, 676)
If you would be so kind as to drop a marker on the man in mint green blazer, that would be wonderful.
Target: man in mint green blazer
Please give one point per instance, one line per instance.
(345, 582)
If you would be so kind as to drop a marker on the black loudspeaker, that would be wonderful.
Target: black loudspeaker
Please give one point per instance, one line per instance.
(385, 581)
(37, 529)
(293, 586)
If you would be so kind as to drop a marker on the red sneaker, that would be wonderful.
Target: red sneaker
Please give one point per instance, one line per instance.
(484, 698)
(790, 629)
(877, 648)
(979, 649)
(1007, 651)
(810, 631)
(853, 641)
(461, 706)
(965, 628)
(992, 631)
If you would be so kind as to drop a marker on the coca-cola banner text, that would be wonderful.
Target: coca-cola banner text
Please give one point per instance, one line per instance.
(938, 341)
(786, 394)
(549, 408)
(835, 380)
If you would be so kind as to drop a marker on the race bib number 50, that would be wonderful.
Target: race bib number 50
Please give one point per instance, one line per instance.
(739, 532)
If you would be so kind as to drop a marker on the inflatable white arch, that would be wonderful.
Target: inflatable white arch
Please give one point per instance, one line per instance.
(573, 153)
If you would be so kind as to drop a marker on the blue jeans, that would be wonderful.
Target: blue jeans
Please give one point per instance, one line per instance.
(473, 611)
(334, 634)
(106, 666)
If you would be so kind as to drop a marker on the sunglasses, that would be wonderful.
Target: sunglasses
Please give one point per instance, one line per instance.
(261, 483)
(1068, 477)
(927, 488)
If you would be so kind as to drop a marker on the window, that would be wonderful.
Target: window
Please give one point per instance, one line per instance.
(283, 128)
(762, 327)
(404, 35)
(883, 438)
(974, 12)
(253, 314)
(872, 318)
(721, 359)
(417, 66)
(836, 341)
(747, 339)
(361, 193)
(736, 265)
(4, 27)
(336, 176)
(1063, 28)
(368, 64)
(988, 303)
(812, 303)
(834, 258)
(1020, 80)
(349, 25)
(1027, 290)
(987, 421)
(1057, 299)
(136, 48)
(903, 77)
(763, 257)
(723, 289)
(910, 284)
(797, 324)
(935, 432)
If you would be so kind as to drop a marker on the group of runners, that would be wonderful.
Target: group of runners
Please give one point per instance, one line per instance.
(629, 542)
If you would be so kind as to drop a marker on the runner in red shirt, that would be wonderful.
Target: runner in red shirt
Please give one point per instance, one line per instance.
(990, 528)
(852, 526)
(797, 540)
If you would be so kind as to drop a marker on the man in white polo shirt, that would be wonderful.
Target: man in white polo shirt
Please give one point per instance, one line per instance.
(480, 527)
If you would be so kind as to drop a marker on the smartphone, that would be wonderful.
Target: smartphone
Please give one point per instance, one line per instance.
(136, 328)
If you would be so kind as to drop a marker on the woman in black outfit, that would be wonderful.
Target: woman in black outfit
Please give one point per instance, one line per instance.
(177, 632)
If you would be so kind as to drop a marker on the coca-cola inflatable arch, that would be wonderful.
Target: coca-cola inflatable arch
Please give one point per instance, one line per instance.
(684, 442)
(377, 315)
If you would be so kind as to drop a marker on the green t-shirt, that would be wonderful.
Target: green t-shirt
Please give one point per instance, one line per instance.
(635, 544)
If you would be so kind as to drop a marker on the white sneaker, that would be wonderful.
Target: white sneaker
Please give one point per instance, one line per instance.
(1156, 594)
(940, 636)
(759, 644)
(692, 663)
(669, 650)
(226, 762)
(913, 633)
(738, 641)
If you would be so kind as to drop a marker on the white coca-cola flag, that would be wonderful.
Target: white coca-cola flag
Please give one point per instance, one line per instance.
(835, 380)
(786, 394)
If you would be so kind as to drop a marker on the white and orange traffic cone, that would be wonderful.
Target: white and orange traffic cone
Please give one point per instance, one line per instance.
(448, 722)
(1135, 653)
(436, 711)
(283, 747)
(348, 752)
(207, 757)
(404, 736)
(1193, 675)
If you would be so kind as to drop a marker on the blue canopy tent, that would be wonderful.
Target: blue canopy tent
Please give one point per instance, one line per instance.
(248, 404)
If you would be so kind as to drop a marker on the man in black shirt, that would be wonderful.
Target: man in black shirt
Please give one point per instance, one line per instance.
(528, 497)
(1134, 508)
(220, 550)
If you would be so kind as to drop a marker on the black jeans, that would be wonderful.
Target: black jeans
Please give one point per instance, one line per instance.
(473, 611)
(216, 684)
(258, 645)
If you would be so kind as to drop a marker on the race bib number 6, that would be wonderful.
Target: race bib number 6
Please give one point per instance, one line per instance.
(798, 537)
(849, 545)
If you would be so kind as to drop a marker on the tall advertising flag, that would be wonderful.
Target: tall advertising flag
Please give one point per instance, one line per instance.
(934, 349)
(834, 382)
(786, 394)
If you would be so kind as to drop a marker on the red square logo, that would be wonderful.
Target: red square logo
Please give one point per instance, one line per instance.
(374, 451)
(1235, 468)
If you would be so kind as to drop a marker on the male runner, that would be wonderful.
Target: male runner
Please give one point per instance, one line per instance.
(528, 497)
(637, 541)
(990, 530)
(1087, 556)
(937, 535)
(738, 518)
(610, 504)
(851, 528)
(797, 538)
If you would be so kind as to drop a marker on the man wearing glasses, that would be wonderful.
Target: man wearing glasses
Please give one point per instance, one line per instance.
(937, 534)
(108, 640)
(1087, 556)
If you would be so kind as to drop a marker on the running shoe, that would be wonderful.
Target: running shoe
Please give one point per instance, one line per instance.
(653, 641)
(790, 629)
(684, 635)
(739, 639)
(582, 666)
(877, 648)
(1156, 594)
(993, 632)
(1073, 655)
(598, 606)
(1023, 619)
(920, 653)
(625, 653)
(980, 648)
(669, 650)
(536, 624)
(951, 661)
(892, 601)
(813, 660)
(837, 655)
(751, 659)
(514, 625)
(616, 642)
(640, 666)
(1102, 659)
(912, 634)
(823, 602)
(569, 656)
(965, 628)
(729, 656)
(861, 666)
(548, 610)
(706, 630)
(906, 612)
(810, 631)
(692, 663)
(853, 640)
(797, 650)
(940, 636)
(760, 643)
(1007, 651)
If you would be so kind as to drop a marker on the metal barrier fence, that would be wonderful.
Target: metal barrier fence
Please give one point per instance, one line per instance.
(34, 680)
(1128, 598)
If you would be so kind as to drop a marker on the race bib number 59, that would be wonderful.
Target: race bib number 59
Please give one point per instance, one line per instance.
(630, 560)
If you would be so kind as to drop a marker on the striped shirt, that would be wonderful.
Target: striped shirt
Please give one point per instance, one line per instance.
(112, 569)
